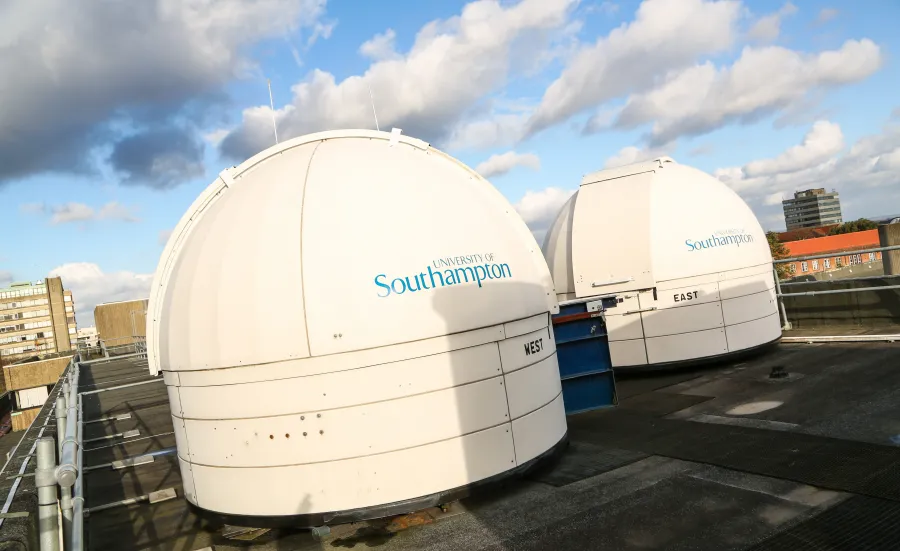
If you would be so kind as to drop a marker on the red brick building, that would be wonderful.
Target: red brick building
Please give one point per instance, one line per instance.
(842, 245)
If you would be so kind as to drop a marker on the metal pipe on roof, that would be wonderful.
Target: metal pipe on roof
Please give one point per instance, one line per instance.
(836, 291)
(45, 480)
(67, 471)
(60, 422)
(76, 542)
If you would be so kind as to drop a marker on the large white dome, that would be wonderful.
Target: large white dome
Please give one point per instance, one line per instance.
(683, 251)
(341, 309)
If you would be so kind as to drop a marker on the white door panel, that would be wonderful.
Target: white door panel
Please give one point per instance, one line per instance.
(606, 259)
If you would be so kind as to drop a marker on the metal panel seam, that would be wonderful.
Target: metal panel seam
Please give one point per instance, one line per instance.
(540, 407)
(343, 407)
(455, 437)
(312, 157)
(508, 411)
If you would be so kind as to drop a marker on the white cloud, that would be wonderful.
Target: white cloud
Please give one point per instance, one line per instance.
(80, 212)
(163, 237)
(497, 131)
(826, 15)
(888, 161)
(320, 30)
(822, 142)
(449, 70)
(665, 35)
(380, 46)
(90, 286)
(121, 65)
(632, 154)
(867, 172)
(498, 165)
(774, 199)
(768, 27)
(72, 212)
(6, 277)
(599, 121)
(539, 208)
(702, 98)
(215, 137)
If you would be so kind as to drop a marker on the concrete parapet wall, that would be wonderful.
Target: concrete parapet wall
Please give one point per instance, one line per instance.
(33, 374)
(876, 307)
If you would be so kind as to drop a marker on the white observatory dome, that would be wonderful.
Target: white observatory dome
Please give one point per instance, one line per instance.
(352, 324)
(685, 257)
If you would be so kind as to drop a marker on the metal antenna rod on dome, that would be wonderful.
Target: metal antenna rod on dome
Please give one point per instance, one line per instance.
(372, 99)
(272, 105)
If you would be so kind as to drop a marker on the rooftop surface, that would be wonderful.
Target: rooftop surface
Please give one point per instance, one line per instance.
(723, 458)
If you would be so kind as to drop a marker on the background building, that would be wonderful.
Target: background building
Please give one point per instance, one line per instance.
(842, 262)
(121, 324)
(36, 319)
(812, 208)
(88, 337)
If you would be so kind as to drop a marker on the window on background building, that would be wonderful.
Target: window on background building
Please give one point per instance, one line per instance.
(815, 265)
(804, 267)
(827, 263)
(871, 257)
(792, 267)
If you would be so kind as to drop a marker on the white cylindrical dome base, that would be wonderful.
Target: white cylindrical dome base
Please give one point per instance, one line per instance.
(684, 256)
(353, 324)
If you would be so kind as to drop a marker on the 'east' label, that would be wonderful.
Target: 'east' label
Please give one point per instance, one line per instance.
(682, 297)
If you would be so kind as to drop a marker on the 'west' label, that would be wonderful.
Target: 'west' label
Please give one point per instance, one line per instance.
(534, 346)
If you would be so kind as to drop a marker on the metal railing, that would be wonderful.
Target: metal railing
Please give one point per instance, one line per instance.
(786, 324)
(59, 486)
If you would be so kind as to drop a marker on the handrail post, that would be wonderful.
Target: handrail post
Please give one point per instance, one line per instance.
(45, 480)
(785, 324)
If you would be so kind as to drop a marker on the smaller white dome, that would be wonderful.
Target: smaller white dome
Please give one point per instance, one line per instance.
(666, 235)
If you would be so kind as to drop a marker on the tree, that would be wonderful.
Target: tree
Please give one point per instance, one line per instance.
(779, 252)
(862, 224)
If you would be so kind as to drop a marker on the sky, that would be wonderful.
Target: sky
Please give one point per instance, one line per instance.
(115, 115)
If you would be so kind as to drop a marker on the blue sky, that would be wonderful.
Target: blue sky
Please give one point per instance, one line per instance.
(109, 136)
